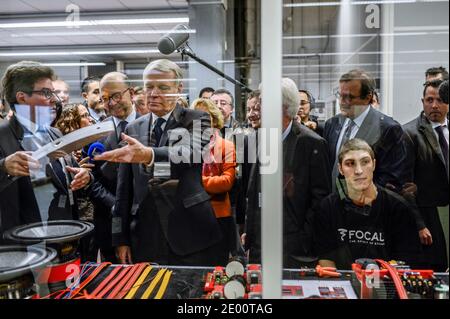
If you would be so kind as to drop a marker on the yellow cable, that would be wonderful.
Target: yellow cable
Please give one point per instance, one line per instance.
(153, 284)
(138, 283)
(164, 284)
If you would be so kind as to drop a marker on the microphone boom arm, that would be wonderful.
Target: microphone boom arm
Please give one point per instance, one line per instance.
(184, 51)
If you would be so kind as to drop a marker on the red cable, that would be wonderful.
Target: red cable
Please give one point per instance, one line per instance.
(131, 282)
(123, 282)
(395, 278)
(105, 281)
(89, 279)
(123, 272)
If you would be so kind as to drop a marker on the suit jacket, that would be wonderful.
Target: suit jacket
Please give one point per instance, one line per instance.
(188, 223)
(18, 203)
(387, 140)
(306, 182)
(430, 173)
(431, 176)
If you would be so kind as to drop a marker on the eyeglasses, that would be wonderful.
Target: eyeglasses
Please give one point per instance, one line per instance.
(346, 97)
(304, 102)
(221, 103)
(47, 93)
(116, 97)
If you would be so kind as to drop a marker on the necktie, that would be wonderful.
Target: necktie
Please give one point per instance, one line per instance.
(121, 128)
(157, 132)
(345, 139)
(347, 133)
(443, 143)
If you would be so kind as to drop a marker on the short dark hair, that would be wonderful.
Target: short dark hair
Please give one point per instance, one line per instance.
(355, 144)
(367, 82)
(87, 81)
(434, 71)
(206, 90)
(21, 77)
(433, 83)
(225, 91)
(308, 94)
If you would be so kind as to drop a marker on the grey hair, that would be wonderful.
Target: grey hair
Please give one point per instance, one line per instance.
(164, 66)
(291, 98)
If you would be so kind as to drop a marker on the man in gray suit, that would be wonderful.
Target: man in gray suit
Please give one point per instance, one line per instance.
(173, 222)
(428, 149)
(358, 119)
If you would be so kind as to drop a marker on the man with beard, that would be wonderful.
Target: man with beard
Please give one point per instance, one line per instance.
(90, 91)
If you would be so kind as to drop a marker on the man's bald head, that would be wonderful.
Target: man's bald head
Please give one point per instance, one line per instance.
(117, 94)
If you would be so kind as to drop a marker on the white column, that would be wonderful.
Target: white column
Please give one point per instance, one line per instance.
(272, 205)
(387, 61)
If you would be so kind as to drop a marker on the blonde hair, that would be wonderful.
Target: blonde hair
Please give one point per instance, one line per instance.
(208, 105)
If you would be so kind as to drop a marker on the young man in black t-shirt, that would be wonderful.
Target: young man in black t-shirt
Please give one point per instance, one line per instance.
(363, 220)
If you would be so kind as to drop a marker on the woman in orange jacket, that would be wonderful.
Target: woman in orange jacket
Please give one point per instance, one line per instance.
(219, 173)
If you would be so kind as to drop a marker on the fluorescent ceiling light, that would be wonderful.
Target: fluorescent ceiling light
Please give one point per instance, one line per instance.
(92, 23)
(363, 53)
(76, 64)
(62, 53)
(361, 64)
(112, 32)
(338, 3)
(337, 36)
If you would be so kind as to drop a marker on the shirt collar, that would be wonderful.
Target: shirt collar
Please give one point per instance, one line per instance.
(27, 124)
(287, 131)
(96, 116)
(166, 117)
(129, 119)
(436, 124)
(360, 119)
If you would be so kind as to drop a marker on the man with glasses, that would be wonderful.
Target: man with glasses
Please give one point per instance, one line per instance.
(162, 213)
(358, 119)
(117, 95)
(225, 102)
(304, 112)
(27, 87)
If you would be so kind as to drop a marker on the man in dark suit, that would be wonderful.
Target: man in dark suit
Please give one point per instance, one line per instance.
(304, 112)
(162, 212)
(428, 149)
(306, 182)
(117, 95)
(28, 84)
(90, 91)
(225, 102)
(358, 119)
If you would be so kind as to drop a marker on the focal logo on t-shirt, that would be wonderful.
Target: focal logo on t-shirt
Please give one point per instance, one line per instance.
(361, 237)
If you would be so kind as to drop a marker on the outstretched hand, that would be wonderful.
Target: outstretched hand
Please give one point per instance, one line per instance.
(133, 152)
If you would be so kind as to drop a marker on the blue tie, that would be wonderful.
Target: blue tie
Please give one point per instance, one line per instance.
(158, 131)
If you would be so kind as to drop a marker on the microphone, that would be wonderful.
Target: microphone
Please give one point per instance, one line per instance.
(96, 148)
(173, 40)
(443, 92)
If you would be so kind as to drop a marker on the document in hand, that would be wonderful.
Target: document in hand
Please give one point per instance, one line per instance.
(75, 141)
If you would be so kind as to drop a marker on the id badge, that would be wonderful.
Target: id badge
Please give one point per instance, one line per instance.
(62, 201)
(162, 170)
(260, 199)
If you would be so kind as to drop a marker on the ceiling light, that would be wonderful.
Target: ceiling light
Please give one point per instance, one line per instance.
(62, 53)
(72, 24)
(75, 64)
